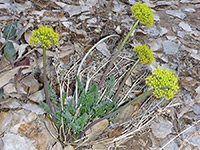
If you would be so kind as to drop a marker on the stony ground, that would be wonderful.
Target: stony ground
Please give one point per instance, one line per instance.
(150, 124)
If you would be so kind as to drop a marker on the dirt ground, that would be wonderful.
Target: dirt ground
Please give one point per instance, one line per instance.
(150, 124)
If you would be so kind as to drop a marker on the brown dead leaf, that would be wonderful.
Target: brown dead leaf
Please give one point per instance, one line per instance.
(127, 113)
(32, 83)
(28, 129)
(115, 132)
(97, 129)
(59, 54)
(189, 83)
(37, 96)
(5, 77)
(27, 36)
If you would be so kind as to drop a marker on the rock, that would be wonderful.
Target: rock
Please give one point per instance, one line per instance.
(185, 26)
(1, 144)
(37, 132)
(5, 121)
(194, 140)
(188, 9)
(69, 147)
(185, 1)
(171, 146)
(171, 38)
(37, 96)
(34, 108)
(99, 147)
(153, 31)
(132, 2)
(198, 28)
(156, 44)
(57, 146)
(128, 81)
(188, 100)
(190, 1)
(196, 109)
(163, 3)
(161, 128)
(103, 48)
(170, 47)
(97, 129)
(176, 13)
(126, 113)
(17, 142)
(181, 34)
(163, 31)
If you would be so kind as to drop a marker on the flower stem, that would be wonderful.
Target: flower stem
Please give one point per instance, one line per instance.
(117, 53)
(45, 86)
(126, 77)
(110, 114)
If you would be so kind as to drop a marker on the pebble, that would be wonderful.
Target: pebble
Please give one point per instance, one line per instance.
(185, 26)
(177, 13)
(161, 128)
(170, 47)
(163, 31)
(188, 9)
(163, 3)
(196, 109)
(171, 38)
(198, 28)
(181, 34)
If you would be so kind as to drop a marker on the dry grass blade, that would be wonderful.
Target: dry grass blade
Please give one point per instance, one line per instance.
(80, 66)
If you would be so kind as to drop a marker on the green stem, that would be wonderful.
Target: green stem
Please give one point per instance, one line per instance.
(45, 86)
(126, 77)
(117, 53)
(115, 112)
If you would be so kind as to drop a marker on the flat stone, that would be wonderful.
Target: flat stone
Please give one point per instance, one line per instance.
(188, 9)
(156, 44)
(194, 140)
(163, 3)
(170, 47)
(177, 13)
(163, 31)
(185, 26)
(171, 38)
(5, 121)
(161, 128)
(196, 109)
(17, 142)
(181, 34)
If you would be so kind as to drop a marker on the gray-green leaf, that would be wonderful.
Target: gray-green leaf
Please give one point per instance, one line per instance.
(9, 52)
(10, 30)
(1, 92)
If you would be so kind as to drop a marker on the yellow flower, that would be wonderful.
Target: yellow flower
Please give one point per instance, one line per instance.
(164, 83)
(144, 54)
(143, 13)
(44, 36)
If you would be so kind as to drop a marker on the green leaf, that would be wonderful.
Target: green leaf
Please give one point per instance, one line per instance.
(10, 52)
(10, 30)
(67, 116)
(45, 107)
(81, 121)
(1, 92)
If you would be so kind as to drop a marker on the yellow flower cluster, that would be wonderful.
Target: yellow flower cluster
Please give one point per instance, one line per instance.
(144, 53)
(143, 13)
(44, 36)
(164, 83)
